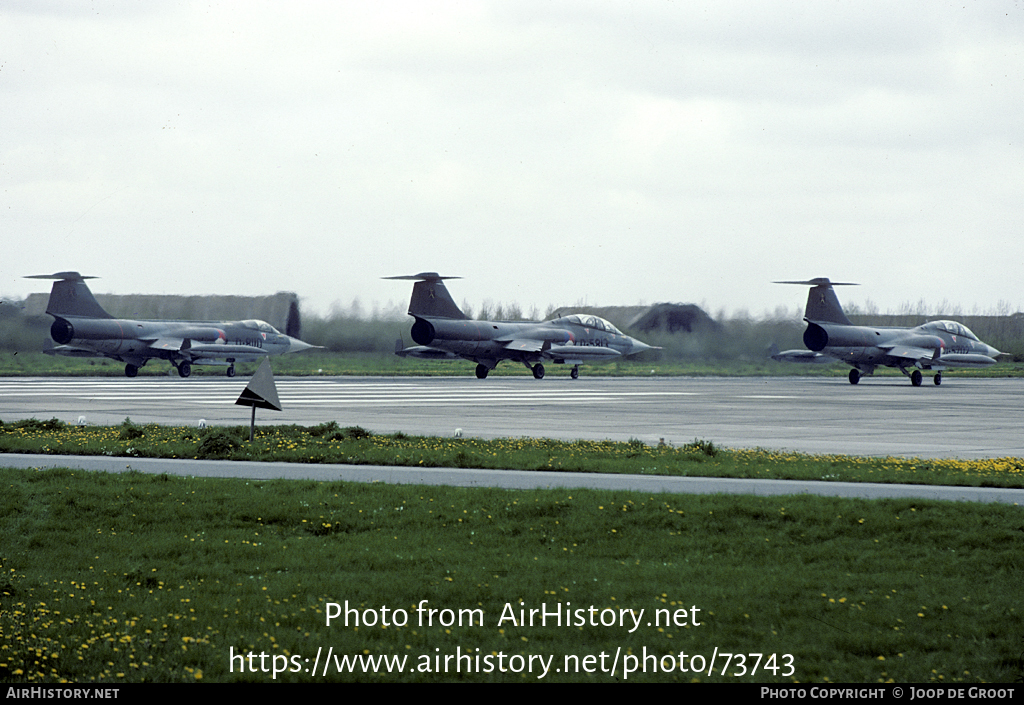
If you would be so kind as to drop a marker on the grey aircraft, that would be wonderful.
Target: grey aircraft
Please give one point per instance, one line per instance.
(831, 336)
(443, 332)
(81, 328)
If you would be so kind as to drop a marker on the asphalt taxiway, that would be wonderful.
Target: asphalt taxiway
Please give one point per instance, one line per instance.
(968, 418)
(513, 479)
(965, 417)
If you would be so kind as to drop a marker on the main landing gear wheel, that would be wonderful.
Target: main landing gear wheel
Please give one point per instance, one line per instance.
(184, 369)
(538, 371)
(915, 378)
(130, 370)
(575, 374)
(938, 378)
(481, 371)
(231, 370)
(854, 376)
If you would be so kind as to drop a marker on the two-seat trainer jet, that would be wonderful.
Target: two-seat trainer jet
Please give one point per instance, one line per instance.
(935, 345)
(443, 332)
(81, 328)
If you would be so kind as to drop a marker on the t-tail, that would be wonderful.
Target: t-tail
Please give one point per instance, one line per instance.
(430, 297)
(822, 302)
(70, 296)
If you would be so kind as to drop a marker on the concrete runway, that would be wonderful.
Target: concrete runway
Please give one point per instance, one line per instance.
(966, 418)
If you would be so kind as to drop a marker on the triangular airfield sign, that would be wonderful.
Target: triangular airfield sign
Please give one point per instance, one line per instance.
(261, 391)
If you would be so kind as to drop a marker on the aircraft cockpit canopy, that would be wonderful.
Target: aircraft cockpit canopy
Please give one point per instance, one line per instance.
(954, 328)
(261, 326)
(588, 321)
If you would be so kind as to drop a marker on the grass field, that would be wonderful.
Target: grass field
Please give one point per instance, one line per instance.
(329, 443)
(131, 577)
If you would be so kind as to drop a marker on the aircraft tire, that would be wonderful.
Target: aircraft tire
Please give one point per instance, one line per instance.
(854, 376)
(231, 371)
(915, 378)
(938, 378)
(131, 370)
(538, 371)
(184, 369)
(481, 371)
(575, 374)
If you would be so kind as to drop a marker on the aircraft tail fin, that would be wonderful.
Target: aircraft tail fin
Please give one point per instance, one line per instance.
(430, 297)
(822, 302)
(70, 296)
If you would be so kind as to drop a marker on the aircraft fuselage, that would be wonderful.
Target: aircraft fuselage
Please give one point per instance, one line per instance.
(830, 335)
(494, 340)
(929, 346)
(182, 343)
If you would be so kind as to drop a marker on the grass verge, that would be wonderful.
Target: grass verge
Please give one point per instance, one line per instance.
(133, 577)
(329, 443)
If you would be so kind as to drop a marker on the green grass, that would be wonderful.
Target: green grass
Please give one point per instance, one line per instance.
(133, 577)
(329, 443)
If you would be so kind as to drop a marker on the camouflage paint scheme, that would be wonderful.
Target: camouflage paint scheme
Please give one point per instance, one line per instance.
(443, 332)
(81, 328)
(831, 336)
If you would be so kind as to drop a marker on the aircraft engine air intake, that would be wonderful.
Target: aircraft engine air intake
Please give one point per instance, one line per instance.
(202, 334)
(928, 342)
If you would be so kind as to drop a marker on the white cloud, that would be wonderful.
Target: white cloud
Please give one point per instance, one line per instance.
(546, 151)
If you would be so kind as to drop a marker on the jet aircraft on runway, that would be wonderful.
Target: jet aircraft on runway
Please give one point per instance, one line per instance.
(443, 332)
(81, 328)
(830, 335)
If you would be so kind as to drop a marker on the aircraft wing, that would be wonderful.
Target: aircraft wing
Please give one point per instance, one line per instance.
(525, 345)
(207, 350)
(910, 352)
(172, 344)
(424, 353)
(966, 360)
(69, 351)
(929, 358)
(580, 354)
(224, 350)
(802, 356)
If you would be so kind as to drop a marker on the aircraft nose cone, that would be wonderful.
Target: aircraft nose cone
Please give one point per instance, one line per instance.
(296, 345)
(639, 347)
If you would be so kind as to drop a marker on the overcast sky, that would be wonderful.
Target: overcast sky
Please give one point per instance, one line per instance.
(547, 152)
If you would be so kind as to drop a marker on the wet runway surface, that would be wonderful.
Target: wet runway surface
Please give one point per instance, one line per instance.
(966, 418)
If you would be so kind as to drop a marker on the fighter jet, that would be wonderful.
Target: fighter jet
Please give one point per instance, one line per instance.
(443, 332)
(831, 336)
(81, 328)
